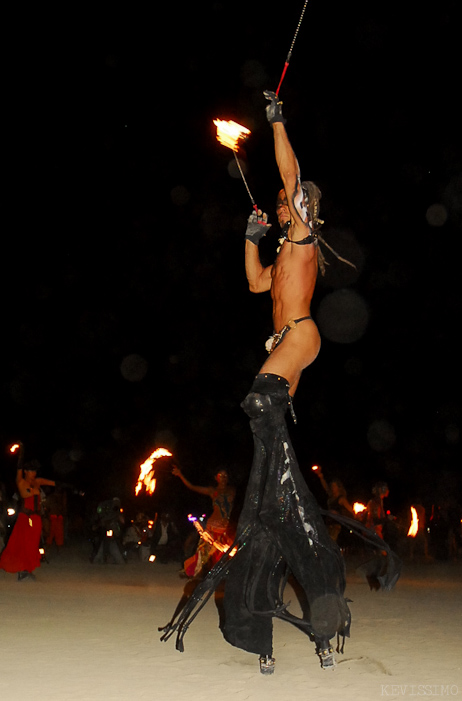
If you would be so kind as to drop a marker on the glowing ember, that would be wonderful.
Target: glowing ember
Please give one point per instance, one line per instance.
(414, 527)
(14, 448)
(146, 477)
(229, 133)
(315, 467)
(358, 508)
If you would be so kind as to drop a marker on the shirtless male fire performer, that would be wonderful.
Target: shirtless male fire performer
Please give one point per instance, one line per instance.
(283, 527)
(280, 529)
(292, 278)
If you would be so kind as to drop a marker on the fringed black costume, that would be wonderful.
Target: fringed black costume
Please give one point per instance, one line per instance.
(281, 531)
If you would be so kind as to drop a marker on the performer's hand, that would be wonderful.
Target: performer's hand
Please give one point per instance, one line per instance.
(257, 226)
(274, 109)
(176, 471)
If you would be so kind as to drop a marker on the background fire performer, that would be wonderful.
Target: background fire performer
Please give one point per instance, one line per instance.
(218, 523)
(281, 529)
(21, 554)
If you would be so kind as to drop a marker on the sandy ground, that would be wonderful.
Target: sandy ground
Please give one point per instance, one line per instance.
(83, 631)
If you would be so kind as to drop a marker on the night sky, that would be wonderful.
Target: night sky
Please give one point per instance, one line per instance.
(127, 320)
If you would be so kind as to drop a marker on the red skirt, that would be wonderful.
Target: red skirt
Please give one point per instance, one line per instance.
(21, 553)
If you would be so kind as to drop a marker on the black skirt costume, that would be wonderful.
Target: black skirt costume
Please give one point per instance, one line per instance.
(281, 531)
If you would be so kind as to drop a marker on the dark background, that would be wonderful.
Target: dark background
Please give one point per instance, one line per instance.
(127, 322)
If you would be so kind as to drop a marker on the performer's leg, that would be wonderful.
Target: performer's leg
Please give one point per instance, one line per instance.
(298, 349)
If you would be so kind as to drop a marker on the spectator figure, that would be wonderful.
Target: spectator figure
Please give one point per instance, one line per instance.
(137, 537)
(337, 502)
(3, 515)
(108, 527)
(166, 544)
(56, 510)
(376, 514)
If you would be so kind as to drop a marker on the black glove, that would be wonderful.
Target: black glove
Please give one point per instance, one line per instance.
(274, 110)
(257, 226)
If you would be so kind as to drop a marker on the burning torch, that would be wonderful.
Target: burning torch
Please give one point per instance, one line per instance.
(18, 450)
(230, 134)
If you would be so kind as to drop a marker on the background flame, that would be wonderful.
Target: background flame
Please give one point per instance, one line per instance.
(358, 507)
(414, 527)
(146, 477)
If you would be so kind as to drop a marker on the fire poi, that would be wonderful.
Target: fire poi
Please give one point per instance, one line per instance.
(208, 538)
(289, 55)
(230, 134)
(147, 471)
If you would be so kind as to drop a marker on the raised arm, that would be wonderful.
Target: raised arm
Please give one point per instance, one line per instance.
(289, 169)
(208, 491)
(318, 472)
(346, 504)
(258, 277)
(43, 482)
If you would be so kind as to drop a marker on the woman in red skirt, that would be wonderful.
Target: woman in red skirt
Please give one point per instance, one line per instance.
(21, 553)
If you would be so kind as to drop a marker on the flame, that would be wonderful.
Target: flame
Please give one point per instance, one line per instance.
(229, 133)
(205, 535)
(358, 507)
(147, 471)
(414, 527)
(14, 448)
(315, 467)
